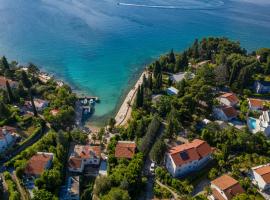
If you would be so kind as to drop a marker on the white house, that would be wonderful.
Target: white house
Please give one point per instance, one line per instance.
(84, 155)
(225, 113)
(225, 188)
(228, 99)
(260, 125)
(189, 157)
(172, 91)
(261, 176)
(6, 137)
(262, 87)
(255, 104)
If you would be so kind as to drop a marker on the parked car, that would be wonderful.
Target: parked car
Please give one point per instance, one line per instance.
(152, 167)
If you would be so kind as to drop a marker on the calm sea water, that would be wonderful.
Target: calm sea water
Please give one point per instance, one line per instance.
(100, 46)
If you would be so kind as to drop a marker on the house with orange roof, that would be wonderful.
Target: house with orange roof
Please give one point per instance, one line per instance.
(228, 99)
(261, 176)
(255, 104)
(225, 188)
(3, 80)
(186, 158)
(84, 155)
(125, 149)
(38, 163)
(225, 113)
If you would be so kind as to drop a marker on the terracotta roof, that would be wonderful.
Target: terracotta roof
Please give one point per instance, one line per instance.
(264, 172)
(87, 151)
(231, 97)
(229, 111)
(37, 164)
(194, 150)
(217, 195)
(125, 149)
(9, 130)
(54, 112)
(3, 81)
(228, 185)
(74, 163)
(256, 102)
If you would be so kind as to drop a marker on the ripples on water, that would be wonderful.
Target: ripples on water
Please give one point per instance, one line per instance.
(99, 46)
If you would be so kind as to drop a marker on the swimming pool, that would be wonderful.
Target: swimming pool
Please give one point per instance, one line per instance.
(252, 123)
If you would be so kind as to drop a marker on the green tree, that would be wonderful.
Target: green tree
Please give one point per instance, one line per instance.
(158, 150)
(171, 57)
(43, 195)
(117, 194)
(27, 83)
(4, 64)
(10, 93)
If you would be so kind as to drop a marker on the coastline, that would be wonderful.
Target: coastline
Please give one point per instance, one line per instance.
(124, 112)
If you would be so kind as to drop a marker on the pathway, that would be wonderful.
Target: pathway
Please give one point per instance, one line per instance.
(175, 195)
(124, 112)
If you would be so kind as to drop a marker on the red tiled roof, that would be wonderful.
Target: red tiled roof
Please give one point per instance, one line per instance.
(87, 151)
(125, 149)
(8, 128)
(54, 112)
(231, 97)
(74, 163)
(264, 172)
(229, 111)
(217, 195)
(256, 102)
(36, 165)
(194, 150)
(228, 185)
(3, 81)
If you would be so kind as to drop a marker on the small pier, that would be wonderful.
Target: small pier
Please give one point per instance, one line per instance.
(89, 98)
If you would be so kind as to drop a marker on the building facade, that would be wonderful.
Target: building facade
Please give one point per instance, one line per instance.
(187, 158)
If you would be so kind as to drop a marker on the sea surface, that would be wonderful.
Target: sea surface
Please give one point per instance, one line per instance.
(101, 46)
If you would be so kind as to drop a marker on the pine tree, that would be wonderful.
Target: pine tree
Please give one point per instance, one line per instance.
(10, 94)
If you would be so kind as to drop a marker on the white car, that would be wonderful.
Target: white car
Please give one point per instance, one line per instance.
(152, 167)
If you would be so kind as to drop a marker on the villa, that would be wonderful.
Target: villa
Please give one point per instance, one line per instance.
(225, 188)
(262, 87)
(172, 91)
(228, 99)
(125, 149)
(84, 155)
(260, 125)
(225, 113)
(189, 157)
(261, 176)
(38, 163)
(7, 134)
(13, 84)
(255, 104)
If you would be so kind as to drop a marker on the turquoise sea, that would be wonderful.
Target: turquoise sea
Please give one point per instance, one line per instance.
(100, 46)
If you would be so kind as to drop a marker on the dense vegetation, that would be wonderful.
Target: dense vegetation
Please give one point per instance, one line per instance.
(211, 65)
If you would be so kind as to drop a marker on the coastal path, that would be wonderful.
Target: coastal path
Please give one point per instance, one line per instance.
(124, 112)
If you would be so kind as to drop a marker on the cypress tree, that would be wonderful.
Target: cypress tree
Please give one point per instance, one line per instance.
(157, 69)
(27, 83)
(171, 57)
(138, 97)
(4, 63)
(150, 82)
(10, 94)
